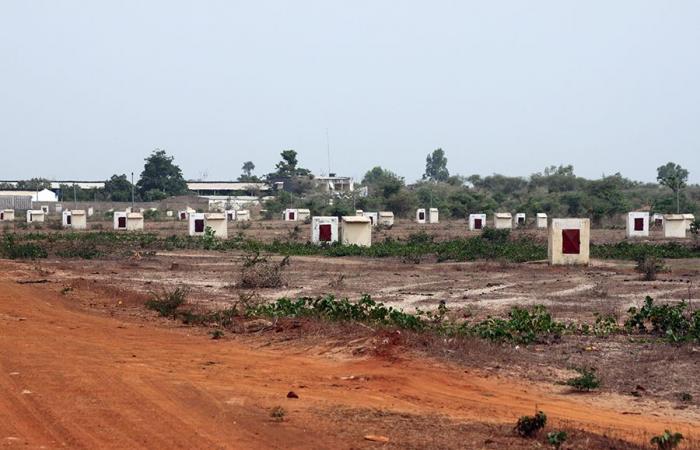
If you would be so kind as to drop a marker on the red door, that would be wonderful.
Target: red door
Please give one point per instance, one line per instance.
(121, 222)
(571, 242)
(639, 224)
(68, 220)
(199, 225)
(292, 216)
(421, 216)
(325, 232)
(477, 224)
(183, 216)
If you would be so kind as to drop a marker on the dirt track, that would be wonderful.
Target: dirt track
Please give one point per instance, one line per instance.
(70, 378)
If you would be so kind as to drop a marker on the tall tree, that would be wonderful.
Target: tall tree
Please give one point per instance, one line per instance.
(34, 184)
(160, 177)
(382, 182)
(118, 188)
(248, 168)
(436, 166)
(675, 177)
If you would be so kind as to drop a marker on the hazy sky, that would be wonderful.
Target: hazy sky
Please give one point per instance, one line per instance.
(89, 88)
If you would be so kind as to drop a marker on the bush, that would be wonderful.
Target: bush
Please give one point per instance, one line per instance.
(167, 302)
(670, 321)
(667, 440)
(556, 438)
(522, 326)
(529, 426)
(277, 413)
(13, 250)
(495, 234)
(649, 266)
(260, 272)
(586, 381)
(152, 214)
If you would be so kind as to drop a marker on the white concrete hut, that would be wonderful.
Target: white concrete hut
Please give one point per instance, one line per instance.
(134, 221)
(119, 220)
(303, 215)
(386, 218)
(218, 224)
(569, 241)
(477, 221)
(541, 220)
(35, 215)
(637, 224)
(433, 215)
(324, 230)
(372, 216)
(503, 220)
(359, 212)
(356, 230)
(421, 216)
(196, 224)
(674, 226)
(74, 218)
(242, 215)
(7, 215)
(290, 215)
(657, 220)
(520, 219)
(230, 214)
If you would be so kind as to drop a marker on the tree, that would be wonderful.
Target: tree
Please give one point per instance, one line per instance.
(436, 166)
(33, 184)
(247, 175)
(118, 188)
(160, 177)
(674, 177)
(382, 182)
(287, 167)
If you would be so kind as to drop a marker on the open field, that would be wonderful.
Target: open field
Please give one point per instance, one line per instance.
(86, 365)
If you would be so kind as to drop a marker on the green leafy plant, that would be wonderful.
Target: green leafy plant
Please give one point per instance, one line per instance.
(529, 426)
(167, 301)
(522, 326)
(556, 438)
(585, 381)
(667, 441)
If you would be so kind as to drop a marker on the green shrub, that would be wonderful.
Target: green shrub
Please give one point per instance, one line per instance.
(167, 301)
(529, 426)
(556, 438)
(667, 441)
(522, 326)
(9, 248)
(669, 321)
(586, 381)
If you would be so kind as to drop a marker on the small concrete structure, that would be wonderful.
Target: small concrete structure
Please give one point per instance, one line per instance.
(45, 208)
(7, 215)
(386, 218)
(75, 219)
(433, 215)
(421, 216)
(119, 220)
(657, 220)
(569, 241)
(356, 230)
(689, 218)
(520, 219)
(324, 230)
(230, 214)
(242, 215)
(67, 219)
(35, 215)
(674, 226)
(303, 215)
(196, 224)
(181, 215)
(637, 224)
(218, 224)
(359, 212)
(502, 221)
(90, 211)
(168, 213)
(372, 216)
(290, 215)
(541, 221)
(477, 221)
(134, 221)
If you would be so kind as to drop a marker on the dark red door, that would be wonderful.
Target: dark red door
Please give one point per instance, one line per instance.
(659, 222)
(477, 224)
(325, 232)
(292, 216)
(571, 242)
(421, 216)
(199, 225)
(521, 220)
(68, 220)
(183, 216)
(639, 224)
(121, 222)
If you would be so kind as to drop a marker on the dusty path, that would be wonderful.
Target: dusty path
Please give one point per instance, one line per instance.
(70, 378)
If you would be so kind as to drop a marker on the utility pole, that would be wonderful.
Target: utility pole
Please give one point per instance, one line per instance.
(132, 191)
(328, 148)
(75, 197)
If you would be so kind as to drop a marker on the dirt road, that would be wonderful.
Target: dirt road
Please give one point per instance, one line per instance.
(72, 378)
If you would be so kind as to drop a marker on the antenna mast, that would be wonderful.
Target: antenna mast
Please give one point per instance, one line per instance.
(328, 148)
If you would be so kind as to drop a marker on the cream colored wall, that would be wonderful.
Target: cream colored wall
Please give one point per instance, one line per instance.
(674, 226)
(78, 220)
(502, 223)
(218, 226)
(134, 222)
(354, 233)
(554, 242)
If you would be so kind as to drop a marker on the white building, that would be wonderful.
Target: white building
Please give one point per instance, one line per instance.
(119, 220)
(230, 214)
(217, 223)
(356, 230)
(477, 221)
(7, 215)
(242, 215)
(657, 220)
(35, 215)
(134, 221)
(372, 216)
(290, 215)
(433, 215)
(689, 218)
(386, 218)
(502, 221)
(196, 224)
(541, 220)
(75, 219)
(674, 226)
(324, 230)
(520, 219)
(637, 224)
(568, 242)
(421, 216)
(303, 215)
